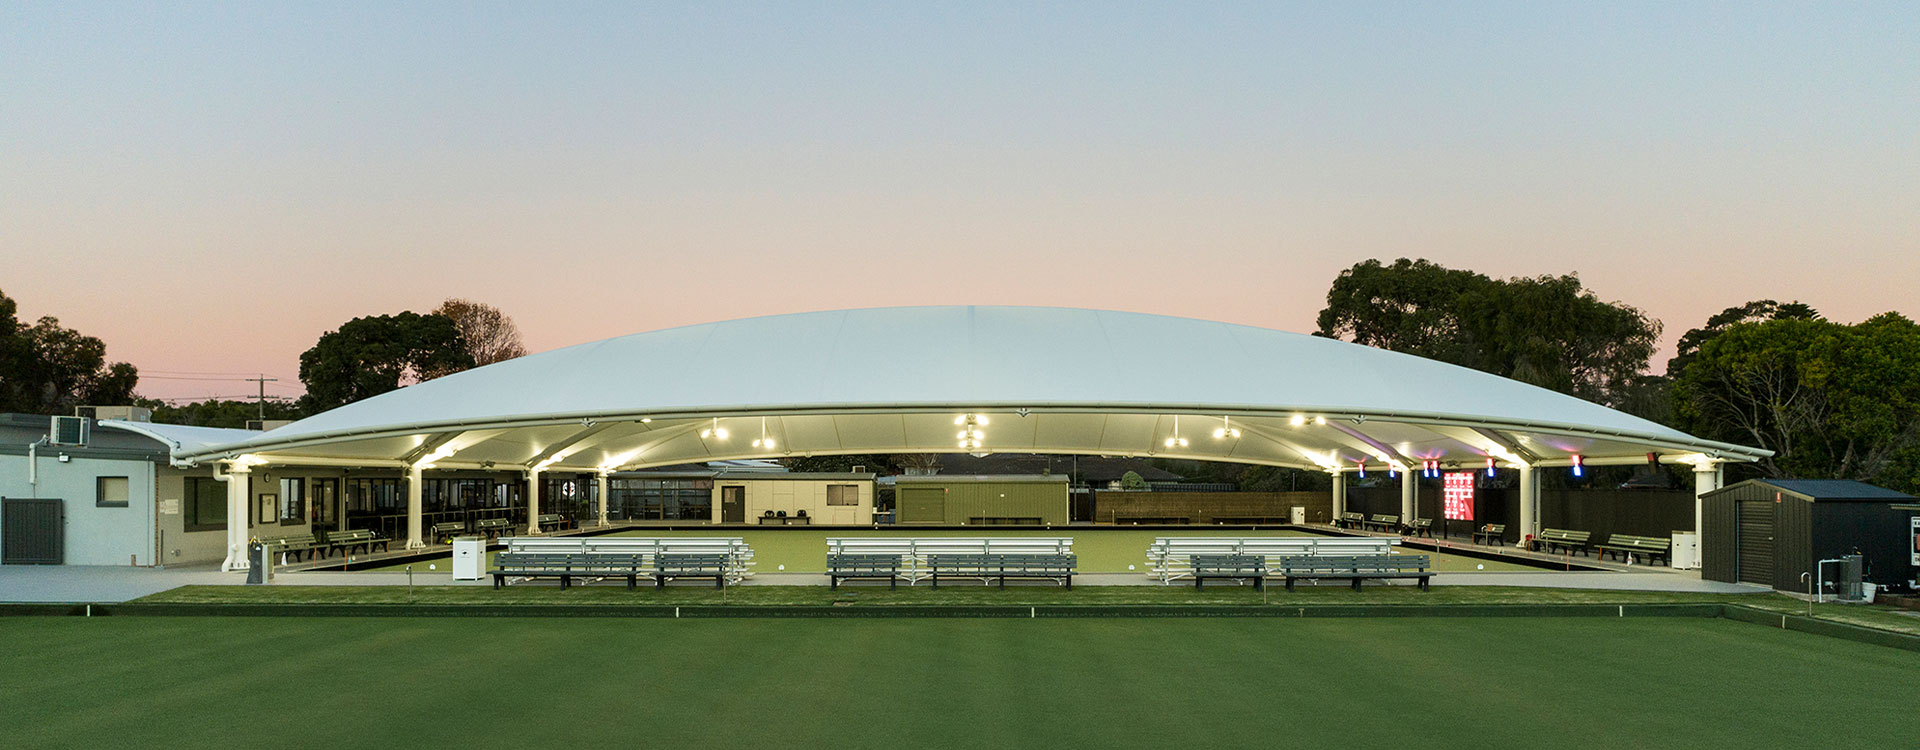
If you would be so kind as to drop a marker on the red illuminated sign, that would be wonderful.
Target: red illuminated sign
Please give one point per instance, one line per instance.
(1458, 496)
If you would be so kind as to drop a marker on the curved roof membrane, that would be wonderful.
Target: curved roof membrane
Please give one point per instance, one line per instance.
(1044, 380)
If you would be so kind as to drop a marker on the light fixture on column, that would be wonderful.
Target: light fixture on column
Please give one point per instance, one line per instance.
(970, 434)
(1579, 465)
(1226, 429)
(1363, 469)
(1489, 466)
(763, 441)
(1174, 440)
(716, 431)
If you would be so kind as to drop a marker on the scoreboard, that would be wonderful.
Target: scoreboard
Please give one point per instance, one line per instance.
(1457, 496)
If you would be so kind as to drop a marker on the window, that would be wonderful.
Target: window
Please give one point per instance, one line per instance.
(843, 494)
(293, 500)
(206, 504)
(110, 492)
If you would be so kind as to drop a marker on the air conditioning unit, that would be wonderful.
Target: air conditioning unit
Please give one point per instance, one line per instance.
(123, 413)
(858, 469)
(69, 430)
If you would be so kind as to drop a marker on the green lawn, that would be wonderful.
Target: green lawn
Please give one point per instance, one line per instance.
(1106, 683)
(1105, 550)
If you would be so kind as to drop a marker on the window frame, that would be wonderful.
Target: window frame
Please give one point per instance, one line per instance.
(293, 501)
(190, 503)
(849, 492)
(100, 492)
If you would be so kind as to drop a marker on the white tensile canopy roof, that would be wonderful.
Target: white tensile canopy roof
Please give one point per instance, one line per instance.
(906, 380)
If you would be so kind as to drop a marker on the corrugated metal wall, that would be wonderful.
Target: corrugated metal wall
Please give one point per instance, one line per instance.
(1210, 507)
(967, 503)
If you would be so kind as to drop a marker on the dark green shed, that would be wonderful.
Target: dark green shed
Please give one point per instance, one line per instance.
(1769, 531)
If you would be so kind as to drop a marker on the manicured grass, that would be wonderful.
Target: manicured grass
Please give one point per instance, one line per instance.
(1022, 595)
(1104, 550)
(1109, 683)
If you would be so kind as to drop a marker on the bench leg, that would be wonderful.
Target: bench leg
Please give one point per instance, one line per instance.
(720, 582)
(496, 582)
(632, 581)
(1259, 583)
(1069, 581)
(1289, 584)
(833, 582)
(1356, 584)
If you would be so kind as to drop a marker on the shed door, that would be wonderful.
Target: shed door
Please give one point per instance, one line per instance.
(923, 505)
(34, 531)
(1756, 542)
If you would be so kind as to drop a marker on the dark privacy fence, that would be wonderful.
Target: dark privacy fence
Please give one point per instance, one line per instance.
(1603, 512)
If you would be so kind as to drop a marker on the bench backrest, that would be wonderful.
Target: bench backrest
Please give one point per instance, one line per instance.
(545, 517)
(1380, 518)
(492, 523)
(1207, 563)
(1178, 549)
(923, 546)
(355, 535)
(1646, 542)
(1565, 535)
(1422, 523)
(1355, 563)
(1353, 516)
(1494, 528)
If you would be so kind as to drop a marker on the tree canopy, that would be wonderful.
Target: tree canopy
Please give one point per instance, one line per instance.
(1833, 401)
(489, 334)
(1752, 312)
(47, 368)
(1548, 331)
(369, 356)
(220, 413)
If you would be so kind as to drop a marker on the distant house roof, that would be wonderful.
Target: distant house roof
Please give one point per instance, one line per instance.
(1828, 490)
(1092, 469)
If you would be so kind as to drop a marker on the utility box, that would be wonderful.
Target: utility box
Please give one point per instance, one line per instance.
(469, 558)
(1299, 516)
(1686, 550)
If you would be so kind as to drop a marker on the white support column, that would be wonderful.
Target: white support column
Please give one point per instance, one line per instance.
(415, 540)
(533, 502)
(1529, 495)
(600, 486)
(1707, 476)
(1409, 484)
(237, 490)
(1339, 495)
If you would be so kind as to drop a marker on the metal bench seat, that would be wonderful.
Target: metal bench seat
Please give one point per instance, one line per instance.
(1356, 568)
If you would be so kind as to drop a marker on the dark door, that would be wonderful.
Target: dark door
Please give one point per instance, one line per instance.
(325, 505)
(32, 531)
(1756, 542)
(733, 505)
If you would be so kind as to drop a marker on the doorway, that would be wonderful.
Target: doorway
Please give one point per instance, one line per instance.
(733, 504)
(1756, 542)
(35, 531)
(324, 504)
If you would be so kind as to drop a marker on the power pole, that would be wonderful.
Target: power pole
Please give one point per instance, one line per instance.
(263, 380)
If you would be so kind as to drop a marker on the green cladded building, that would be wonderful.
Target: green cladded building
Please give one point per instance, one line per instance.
(1003, 500)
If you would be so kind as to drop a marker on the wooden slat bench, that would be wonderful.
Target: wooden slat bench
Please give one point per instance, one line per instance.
(549, 521)
(1351, 520)
(295, 545)
(669, 565)
(1356, 568)
(1383, 522)
(1568, 539)
(443, 531)
(1000, 567)
(566, 566)
(1421, 527)
(1493, 533)
(842, 567)
(1232, 567)
(362, 539)
(1627, 547)
(492, 527)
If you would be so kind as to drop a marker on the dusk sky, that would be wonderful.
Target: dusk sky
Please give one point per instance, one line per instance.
(209, 187)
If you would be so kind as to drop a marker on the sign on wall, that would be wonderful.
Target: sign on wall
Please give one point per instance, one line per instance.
(1457, 496)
